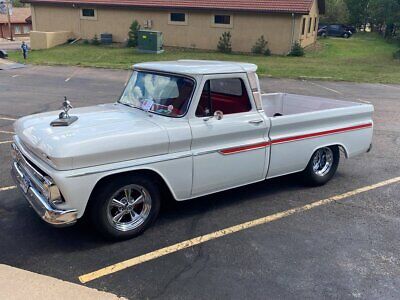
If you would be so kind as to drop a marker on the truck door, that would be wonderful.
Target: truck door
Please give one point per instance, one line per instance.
(232, 150)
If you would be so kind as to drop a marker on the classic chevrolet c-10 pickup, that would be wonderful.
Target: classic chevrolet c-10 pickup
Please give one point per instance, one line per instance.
(180, 129)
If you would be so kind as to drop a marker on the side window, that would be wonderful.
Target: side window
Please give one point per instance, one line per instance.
(178, 18)
(228, 95)
(88, 14)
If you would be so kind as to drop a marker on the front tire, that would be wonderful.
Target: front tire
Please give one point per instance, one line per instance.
(125, 207)
(322, 166)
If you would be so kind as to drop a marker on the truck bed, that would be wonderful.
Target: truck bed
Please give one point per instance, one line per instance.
(282, 104)
(302, 124)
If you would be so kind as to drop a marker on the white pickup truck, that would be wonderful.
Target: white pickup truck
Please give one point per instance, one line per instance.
(183, 129)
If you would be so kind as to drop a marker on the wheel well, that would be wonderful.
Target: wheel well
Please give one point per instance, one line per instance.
(164, 188)
(341, 148)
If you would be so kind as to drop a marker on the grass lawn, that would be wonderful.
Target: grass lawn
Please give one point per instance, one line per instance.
(364, 58)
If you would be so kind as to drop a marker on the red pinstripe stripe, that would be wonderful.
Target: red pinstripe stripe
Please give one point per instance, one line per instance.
(244, 148)
(316, 134)
(291, 139)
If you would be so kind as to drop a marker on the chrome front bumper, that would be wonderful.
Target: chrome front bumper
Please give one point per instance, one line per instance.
(40, 204)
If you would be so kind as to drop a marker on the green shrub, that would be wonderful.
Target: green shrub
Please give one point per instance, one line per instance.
(225, 44)
(261, 47)
(297, 50)
(95, 40)
(86, 42)
(133, 34)
(396, 55)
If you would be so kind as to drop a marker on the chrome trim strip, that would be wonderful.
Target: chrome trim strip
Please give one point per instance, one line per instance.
(127, 168)
(205, 152)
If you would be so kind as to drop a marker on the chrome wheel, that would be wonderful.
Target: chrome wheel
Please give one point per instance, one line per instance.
(129, 207)
(322, 161)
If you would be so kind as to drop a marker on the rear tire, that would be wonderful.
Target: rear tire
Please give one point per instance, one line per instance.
(125, 207)
(322, 166)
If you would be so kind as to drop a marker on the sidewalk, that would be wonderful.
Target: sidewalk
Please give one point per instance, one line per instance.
(20, 284)
(13, 45)
(6, 64)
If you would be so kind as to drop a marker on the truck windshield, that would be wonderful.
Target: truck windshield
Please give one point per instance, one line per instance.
(167, 95)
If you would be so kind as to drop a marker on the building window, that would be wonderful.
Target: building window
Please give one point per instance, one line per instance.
(88, 14)
(17, 29)
(303, 30)
(309, 25)
(222, 19)
(177, 18)
(315, 24)
(27, 29)
(225, 21)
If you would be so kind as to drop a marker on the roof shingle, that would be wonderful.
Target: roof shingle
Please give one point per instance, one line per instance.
(282, 6)
(19, 15)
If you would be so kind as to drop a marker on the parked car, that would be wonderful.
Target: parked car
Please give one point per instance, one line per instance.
(185, 129)
(350, 28)
(335, 30)
(3, 54)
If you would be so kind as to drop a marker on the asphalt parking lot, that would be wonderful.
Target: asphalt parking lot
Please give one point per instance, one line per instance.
(344, 249)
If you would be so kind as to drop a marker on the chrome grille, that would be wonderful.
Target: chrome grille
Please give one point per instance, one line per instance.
(35, 177)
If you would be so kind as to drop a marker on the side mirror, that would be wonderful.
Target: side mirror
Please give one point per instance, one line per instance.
(218, 115)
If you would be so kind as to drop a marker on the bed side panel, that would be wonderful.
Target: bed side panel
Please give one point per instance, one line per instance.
(296, 137)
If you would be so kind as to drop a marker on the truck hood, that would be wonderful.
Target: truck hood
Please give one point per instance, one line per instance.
(102, 134)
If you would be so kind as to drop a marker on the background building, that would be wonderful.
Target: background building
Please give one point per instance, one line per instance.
(186, 23)
(21, 23)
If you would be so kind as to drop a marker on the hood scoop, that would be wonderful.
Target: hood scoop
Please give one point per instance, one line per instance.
(64, 119)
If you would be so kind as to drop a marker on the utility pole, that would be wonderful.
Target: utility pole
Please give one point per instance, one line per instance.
(8, 3)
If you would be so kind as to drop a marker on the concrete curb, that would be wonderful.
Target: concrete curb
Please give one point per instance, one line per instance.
(20, 284)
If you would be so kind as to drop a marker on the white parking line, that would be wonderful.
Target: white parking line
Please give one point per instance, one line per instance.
(5, 142)
(7, 132)
(7, 188)
(227, 231)
(364, 101)
(72, 75)
(16, 75)
(326, 88)
(7, 119)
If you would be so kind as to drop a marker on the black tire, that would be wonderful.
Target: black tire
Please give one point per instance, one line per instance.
(311, 178)
(99, 205)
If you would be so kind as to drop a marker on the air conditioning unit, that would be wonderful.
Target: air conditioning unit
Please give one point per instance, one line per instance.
(150, 41)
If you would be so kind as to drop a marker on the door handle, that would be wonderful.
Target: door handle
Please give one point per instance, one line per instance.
(256, 122)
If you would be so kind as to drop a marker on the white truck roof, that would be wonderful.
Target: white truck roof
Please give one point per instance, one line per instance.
(198, 67)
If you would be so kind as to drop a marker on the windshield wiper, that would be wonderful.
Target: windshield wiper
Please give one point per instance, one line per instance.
(130, 105)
